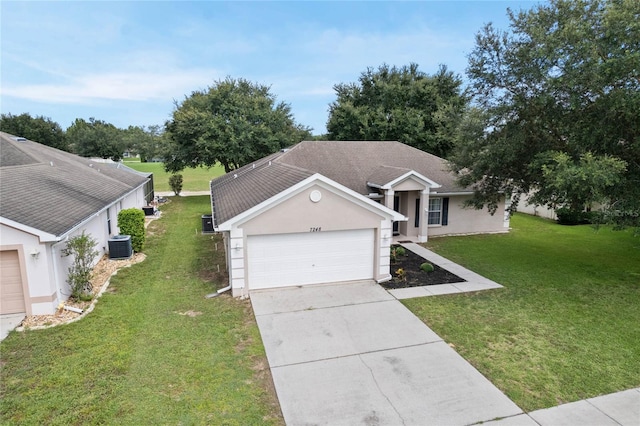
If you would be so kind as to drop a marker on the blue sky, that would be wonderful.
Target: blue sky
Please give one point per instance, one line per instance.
(127, 62)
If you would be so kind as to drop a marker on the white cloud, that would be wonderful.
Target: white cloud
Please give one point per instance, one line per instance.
(125, 86)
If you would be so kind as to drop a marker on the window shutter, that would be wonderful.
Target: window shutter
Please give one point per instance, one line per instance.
(445, 211)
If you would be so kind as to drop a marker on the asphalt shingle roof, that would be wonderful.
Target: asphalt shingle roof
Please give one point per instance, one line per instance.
(353, 164)
(52, 190)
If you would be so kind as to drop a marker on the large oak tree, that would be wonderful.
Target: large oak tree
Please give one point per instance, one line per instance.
(38, 129)
(232, 123)
(96, 138)
(557, 100)
(402, 104)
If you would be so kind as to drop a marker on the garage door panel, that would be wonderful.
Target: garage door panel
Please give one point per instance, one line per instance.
(310, 258)
(11, 292)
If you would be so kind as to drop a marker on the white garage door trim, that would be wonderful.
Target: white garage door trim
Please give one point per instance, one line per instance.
(11, 290)
(282, 260)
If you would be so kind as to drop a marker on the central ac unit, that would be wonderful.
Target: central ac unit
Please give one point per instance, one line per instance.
(120, 247)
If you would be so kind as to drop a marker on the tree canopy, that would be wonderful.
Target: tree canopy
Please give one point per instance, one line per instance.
(96, 138)
(39, 129)
(557, 107)
(232, 123)
(148, 142)
(402, 104)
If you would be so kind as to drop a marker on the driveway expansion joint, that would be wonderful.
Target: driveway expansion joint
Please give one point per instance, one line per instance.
(358, 354)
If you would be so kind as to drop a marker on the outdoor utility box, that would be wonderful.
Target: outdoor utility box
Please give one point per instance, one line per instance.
(148, 210)
(120, 247)
(207, 224)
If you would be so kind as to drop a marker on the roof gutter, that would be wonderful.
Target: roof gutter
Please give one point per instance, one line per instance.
(452, 193)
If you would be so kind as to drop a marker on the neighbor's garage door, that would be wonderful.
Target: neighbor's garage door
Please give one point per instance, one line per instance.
(11, 294)
(309, 258)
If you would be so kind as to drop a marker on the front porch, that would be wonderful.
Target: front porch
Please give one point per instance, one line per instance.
(406, 192)
(402, 239)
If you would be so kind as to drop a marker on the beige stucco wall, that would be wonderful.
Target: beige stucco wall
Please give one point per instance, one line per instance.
(469, 220)
(408, 185)
(299, 214)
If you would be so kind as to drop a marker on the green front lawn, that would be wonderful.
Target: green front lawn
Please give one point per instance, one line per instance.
(193, 179)
(566, 325)
(154, 351)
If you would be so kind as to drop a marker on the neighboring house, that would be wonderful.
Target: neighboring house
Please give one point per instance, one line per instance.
(535, 209)
(46, 197)
(329, 211)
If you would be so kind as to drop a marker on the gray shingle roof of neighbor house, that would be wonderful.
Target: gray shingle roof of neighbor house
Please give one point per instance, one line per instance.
(52, 190)
(353, 164)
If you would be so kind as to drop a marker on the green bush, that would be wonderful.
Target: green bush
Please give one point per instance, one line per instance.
(567, 216)
(131, 222)
(175, 182)
(400, 251)
(82, 248)
(427, 267)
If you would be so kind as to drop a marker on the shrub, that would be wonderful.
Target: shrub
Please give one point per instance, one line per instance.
(175, 182)
(82, 248)
(400, 251)
(567, 216)
(131, 222)
(427, 267)
(401, 274)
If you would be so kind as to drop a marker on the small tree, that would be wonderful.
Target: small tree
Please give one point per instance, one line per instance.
(175, 182)
(82, 248)
(131, 222)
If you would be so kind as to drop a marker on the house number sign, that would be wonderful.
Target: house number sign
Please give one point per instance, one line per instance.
(318, 229)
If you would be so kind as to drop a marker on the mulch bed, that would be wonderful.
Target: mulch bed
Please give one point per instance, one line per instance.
(416, 277)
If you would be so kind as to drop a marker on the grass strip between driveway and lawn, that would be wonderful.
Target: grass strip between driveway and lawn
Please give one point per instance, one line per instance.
(193, 179)
(154, 350)
(564, 328)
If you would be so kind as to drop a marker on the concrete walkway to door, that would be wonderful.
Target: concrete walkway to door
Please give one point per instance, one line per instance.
(352, 354)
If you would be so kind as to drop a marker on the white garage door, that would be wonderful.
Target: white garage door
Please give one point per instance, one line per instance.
(309, 258)
(11, 294)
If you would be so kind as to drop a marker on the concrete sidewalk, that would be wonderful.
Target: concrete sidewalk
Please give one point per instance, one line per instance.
(182, 194)
(473, 281)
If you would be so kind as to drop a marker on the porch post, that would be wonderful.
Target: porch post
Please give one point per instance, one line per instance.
(424, 216)
(388, 198)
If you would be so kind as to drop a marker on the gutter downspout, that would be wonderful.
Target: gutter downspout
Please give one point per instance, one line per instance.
(218, 293)
(55, 270)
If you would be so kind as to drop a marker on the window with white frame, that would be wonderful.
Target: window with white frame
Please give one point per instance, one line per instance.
(435, 211)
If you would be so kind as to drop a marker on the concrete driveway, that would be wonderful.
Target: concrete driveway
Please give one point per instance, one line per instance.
(9, 322)
(352, 354)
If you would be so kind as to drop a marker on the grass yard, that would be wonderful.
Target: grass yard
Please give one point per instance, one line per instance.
(154, 351)
(193, 179)
(564, 328)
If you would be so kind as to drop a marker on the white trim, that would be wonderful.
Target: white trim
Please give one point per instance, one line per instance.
(317, 178)
(44, 237)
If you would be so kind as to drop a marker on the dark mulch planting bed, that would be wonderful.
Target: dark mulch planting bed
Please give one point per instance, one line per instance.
(415, 276)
